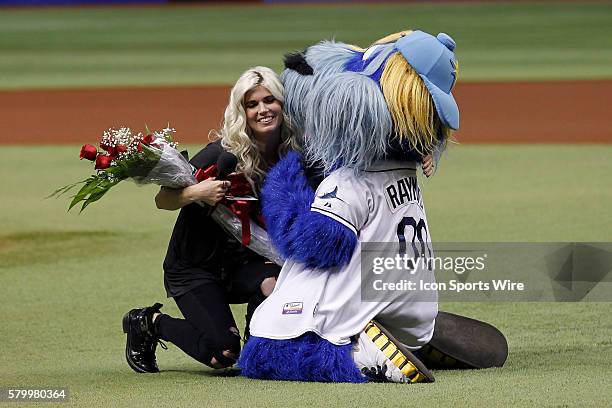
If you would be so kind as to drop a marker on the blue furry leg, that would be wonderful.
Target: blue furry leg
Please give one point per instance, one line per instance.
(305, 358)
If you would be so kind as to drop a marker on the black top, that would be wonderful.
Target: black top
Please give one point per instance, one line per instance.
(199, 250)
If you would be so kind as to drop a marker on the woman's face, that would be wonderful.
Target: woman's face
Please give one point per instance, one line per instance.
(264, 113)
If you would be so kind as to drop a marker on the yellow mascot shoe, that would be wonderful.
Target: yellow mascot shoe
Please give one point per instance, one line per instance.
(380, 357)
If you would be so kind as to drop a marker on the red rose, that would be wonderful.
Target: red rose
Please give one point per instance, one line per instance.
(103, 162)
(105, 146)
(121, 149)
(88, 152)
(112, 151)
(148, 139)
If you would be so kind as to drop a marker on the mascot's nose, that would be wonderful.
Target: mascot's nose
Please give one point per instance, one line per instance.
(447, 41)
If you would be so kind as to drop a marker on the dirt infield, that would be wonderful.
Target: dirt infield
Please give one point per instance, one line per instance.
(510, 112)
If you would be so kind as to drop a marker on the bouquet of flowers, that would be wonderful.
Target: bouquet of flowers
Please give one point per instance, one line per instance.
(154, 159)
(145, 159)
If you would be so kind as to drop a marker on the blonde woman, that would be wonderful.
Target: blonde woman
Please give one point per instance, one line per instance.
(205, 270)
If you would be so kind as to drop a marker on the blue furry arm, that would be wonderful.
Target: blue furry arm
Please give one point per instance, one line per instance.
(298, 233)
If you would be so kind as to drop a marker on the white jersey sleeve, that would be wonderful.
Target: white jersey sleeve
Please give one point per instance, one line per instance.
(343, 198)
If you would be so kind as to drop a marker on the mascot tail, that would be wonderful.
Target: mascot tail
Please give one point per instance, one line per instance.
(305, 358)
(463, 343)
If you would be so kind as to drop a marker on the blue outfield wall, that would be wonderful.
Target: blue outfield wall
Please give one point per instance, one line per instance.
(216, 2)
(26, 3)
(33, 3)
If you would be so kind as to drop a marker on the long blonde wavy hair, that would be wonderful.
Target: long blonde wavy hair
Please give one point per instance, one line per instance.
(236, 137)
(414, 114)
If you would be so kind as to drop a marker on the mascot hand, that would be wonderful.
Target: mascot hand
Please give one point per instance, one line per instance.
(298, 233)
(428, 165)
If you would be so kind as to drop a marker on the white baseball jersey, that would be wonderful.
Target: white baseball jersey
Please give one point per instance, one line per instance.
(328, 302)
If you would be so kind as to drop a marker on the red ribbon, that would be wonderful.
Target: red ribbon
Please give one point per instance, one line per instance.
(203, 174)
(242, 210)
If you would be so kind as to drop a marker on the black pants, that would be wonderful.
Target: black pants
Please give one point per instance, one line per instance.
(207, 329)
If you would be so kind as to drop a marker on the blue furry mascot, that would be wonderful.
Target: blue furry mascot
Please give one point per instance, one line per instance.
(366, 117)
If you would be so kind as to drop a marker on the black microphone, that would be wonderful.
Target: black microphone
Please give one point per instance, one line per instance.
(226, 164)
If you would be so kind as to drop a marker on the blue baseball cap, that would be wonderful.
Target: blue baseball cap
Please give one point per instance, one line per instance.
(434, 60)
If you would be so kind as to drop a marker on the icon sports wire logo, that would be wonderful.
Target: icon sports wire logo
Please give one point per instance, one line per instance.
(493, 271)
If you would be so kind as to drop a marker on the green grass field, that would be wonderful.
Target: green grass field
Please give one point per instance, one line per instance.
(68, 279)
(169, 46)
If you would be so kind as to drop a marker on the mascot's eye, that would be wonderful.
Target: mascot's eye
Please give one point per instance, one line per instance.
(297, 62)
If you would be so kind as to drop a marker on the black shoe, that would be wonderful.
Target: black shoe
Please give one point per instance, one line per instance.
(141, 339)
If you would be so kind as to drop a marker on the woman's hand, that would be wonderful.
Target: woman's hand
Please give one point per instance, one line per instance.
(428, 165)
(209, 191)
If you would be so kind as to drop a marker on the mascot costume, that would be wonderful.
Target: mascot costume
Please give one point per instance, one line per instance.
(366, 117)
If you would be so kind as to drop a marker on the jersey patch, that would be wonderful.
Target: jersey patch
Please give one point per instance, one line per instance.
(293, 308)
(402, 192)
(331, 194)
